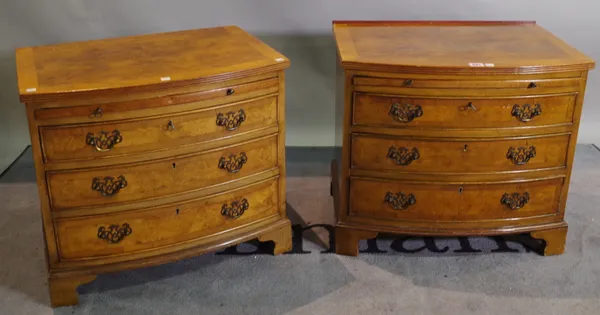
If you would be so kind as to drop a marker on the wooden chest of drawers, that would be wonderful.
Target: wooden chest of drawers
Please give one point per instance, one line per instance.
(454, 128)
(154, 148)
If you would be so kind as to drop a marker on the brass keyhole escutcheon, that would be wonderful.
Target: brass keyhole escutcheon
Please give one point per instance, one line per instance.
(177, 211)
(174, 165)
(465, 148)
(171, 125)
(460, 190)
(471, 106)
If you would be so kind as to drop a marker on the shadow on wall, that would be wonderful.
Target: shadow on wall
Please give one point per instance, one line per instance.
(310, 87)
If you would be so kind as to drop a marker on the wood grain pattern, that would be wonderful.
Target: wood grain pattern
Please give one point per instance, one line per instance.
(72, 189)
(113, 64)
(164, 226)
(441, 48)
(554, 239)
(63, 290)
(459, 155)
(346, 240)
(434, 145)
(436, 83)
(453, 202)
(142, 155)
(143, 107)
(461, 113)
(67, 143)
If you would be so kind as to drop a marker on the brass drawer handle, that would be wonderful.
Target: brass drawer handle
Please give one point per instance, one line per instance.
(114, 233)
(236, 209)
(104, 141)
(532, 85)
(230, 91)
(233, 163)
(403, 156)
(520, 155)
(109, 186)
(526, 112)
(408, 82)
(231, 120)
(406, 112)
(515, 201)
(97, 113)
(399, 201)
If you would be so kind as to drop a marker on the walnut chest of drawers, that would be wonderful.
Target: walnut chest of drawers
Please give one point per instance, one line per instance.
(454, 128)
(153, 148)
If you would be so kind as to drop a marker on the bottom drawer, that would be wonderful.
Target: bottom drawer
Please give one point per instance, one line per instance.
(414, 201)
(134, 231)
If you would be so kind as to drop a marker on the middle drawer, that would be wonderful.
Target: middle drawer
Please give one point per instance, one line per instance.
(370, 152)
(142, 181)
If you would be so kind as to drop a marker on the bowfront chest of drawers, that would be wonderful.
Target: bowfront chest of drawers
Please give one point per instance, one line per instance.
(153, 148)
(455, 128)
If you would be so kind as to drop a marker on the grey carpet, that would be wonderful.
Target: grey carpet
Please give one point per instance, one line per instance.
(393, 275)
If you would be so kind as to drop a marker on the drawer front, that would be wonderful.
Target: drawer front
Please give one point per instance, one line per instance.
(134, 231)
(164, 104)
(130, 183)
(409, 82)
(415, 201)
(90, 141)
(458, 155)
(407, 112)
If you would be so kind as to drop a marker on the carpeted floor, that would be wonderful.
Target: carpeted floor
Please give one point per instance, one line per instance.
(394, 275)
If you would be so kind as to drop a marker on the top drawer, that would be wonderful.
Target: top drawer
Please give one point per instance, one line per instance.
(462, 112)
(190, 100)
(467, 84)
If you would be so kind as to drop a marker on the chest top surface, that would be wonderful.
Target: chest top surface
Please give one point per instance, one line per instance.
(192, 56)
(421, 46)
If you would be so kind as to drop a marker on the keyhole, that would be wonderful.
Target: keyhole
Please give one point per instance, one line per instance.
(460, 190)
(174, 165)
(465, 148)
(177, 211)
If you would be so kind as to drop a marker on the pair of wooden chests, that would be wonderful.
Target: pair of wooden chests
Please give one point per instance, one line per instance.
(153, 148)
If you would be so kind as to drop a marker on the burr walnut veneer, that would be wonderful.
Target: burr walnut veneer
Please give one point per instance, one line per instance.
(455, 128)
(154, 148)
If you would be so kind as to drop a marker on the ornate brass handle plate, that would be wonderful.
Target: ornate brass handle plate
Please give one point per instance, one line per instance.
(231, 120)
(405, 113)
(403, 156)
(109, 186)
(515, 201)
(526, 112)
(236, 209)
(114, 233)
(104, 141)
(399, 200)
(520, 155)
(233, 163)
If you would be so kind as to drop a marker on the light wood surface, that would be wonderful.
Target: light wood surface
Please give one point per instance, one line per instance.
(460, 113)
(433, 47)
(154, 148)
(71, 189)
(434, 145)
(72, 142)
(77, 237)
(458, 155)
(154, 61)
(454, 202)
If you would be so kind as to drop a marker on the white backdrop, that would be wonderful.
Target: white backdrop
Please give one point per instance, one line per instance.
(300, 29)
